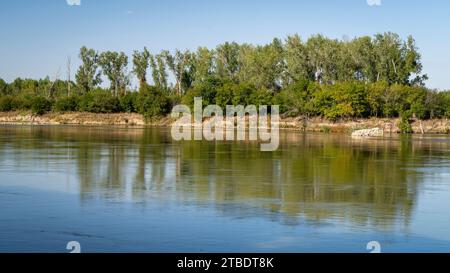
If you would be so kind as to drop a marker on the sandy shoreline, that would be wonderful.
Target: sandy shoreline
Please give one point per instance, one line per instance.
(436, 126)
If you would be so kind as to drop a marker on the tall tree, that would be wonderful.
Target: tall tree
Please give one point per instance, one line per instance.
(114, 67)
(159, 70)
(388, 57)
(227, 61)
(140, 65)
(361, 53)
(203, 63)
(3, 87)
(179, 64)
(88, 76)
(324, 57)
(69, 72)
(296, 58)
(262, 66)
(413, 65)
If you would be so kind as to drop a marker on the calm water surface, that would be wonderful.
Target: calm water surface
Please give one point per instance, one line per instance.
(135, 190)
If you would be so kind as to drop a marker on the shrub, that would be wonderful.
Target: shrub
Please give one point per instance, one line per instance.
(261, 97)
(415, 101)
(375, 94)
(321, 101)
(3, 87)
(67, 104)
(349, 100)
(234, 94)
(405, 125)
(242, 94)
(174, 99)
(128, 103)
(152, 102)
(446, 99)
(21, 103)
(99, 101)
(6, 103)
(293, 100)
(225, 95)
(394, 100)
(40, 105)
(207, 90)
(435, 105)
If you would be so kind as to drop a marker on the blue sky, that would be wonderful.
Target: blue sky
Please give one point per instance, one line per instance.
(38, 35)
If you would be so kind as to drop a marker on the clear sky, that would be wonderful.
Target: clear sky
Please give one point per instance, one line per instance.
(38, 35)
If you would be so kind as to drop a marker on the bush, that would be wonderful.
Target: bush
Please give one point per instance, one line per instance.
(67, 104)
(261, 97)
(405, 125)
(3, 87)
(234, 94)
(6, 103)
(446, 99)
(99, 101)
(293, 100)
(207, 90)
(21, 103)
(321, 101)
(12, 103)
(152, 102)
(375, 97)
(341, 100)
(435, 104)
(224, 95)
(394, 100)
(40, 105)
(128, 103)
(242, 94)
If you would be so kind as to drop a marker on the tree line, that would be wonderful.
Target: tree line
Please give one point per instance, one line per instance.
(379, 76)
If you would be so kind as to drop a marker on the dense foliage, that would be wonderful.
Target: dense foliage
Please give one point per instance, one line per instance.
(378, 76)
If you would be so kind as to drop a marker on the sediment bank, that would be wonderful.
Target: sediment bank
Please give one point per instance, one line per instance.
(388, 125)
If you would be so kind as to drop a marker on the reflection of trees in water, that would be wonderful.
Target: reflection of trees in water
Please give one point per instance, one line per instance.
(311, 177)
(318, 180)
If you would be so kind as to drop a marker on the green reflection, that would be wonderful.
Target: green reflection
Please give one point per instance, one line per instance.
(312, 177)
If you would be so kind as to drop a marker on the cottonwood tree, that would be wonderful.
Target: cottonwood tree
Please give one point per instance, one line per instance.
(140, 65)
(202, 64)
(262, 66)
(159, 70)
(227, 61)
(69, 72)
(114, 67)
(296, 58)
(88, 76)
(180, 65)
(3, 87)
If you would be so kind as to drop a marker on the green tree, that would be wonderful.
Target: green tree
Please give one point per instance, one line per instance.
(88, 76)
(296, 58)
(376, 93)
(203, 63)
(3, 87)
(262, 66)
(227, 61)
(159, 71)
(207, 90)
(324, 57)
(140, 65)
(181, 66)
(40, 105)
(152, 102)
(114, 65)
(293, 99)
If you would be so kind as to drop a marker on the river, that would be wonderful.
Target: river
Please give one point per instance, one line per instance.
(116, 189)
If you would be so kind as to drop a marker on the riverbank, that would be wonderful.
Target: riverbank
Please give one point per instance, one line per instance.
(435, 126)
